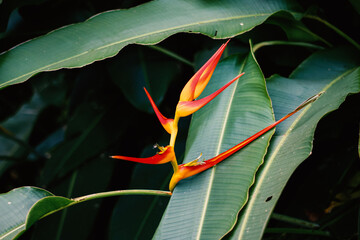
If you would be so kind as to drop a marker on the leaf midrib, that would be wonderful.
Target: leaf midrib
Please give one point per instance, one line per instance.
(277, 149)
(221, 138)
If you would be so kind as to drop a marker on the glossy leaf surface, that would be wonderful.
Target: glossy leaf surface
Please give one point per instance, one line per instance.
(104, 35)
(206, 205)
(335, 72)
(24, 206)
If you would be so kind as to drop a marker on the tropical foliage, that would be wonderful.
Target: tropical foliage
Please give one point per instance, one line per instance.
(72, 79)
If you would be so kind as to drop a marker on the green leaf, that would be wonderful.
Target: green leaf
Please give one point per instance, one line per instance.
(23, 206)
(74, 150)
(26, 205)
(104, 35)
(141, 224)
(91, 177)
(90, 131)
(294, 29)
(335, 72)
(206, 205)
(20, 125)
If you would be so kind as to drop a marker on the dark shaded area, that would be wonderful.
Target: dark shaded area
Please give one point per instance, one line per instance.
(332, 169)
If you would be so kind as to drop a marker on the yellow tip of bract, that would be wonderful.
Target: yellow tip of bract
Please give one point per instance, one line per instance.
(186, 108)
(198, 82)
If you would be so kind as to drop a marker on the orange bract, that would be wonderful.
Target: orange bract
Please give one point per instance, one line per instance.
(198, 82)
(186, 108)
(194, 167)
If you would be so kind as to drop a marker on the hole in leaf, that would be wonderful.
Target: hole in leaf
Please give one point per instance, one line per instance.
(268, 199)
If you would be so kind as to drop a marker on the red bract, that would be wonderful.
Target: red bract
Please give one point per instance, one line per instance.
(186, 108)
(198, 82)
(193, 88)
(188, 105)
(165, 122)
(165, 155)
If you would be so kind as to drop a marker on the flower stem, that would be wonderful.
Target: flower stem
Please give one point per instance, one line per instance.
(338, 31)
(174, 130)
(100, 195)
(120, 193)
(173, 139)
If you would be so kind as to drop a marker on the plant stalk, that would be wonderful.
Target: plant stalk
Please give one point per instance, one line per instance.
(272, 43)
(171, 54)
(335, 29)
(120, 193)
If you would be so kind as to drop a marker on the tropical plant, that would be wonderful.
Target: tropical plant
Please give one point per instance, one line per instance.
(73, 96)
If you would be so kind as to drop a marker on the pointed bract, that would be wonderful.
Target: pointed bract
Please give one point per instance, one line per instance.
(186, 108)
(198, 82)
(194, 167)
(167, 123)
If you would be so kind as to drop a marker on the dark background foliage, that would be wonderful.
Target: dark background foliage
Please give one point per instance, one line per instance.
(79, 117)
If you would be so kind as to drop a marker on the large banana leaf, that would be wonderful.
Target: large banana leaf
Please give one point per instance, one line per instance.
(105, 34)
(206, 206)
(337, 74)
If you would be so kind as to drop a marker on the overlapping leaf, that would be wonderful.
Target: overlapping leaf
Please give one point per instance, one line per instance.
(206, 206)
(92, 177)
(106, 34)
(23, 206)
(20, 126)
(337, 73)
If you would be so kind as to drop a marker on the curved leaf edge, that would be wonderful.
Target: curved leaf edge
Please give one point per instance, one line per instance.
(271, 133)
(334, 108)
(20, 189)
(39, 210)
(296, 15)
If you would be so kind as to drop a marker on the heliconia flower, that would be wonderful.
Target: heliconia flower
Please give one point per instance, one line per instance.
(167, 123)
(165, 155)
(186, 108)
(194, 167)
(192, 90)
(198, 82)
